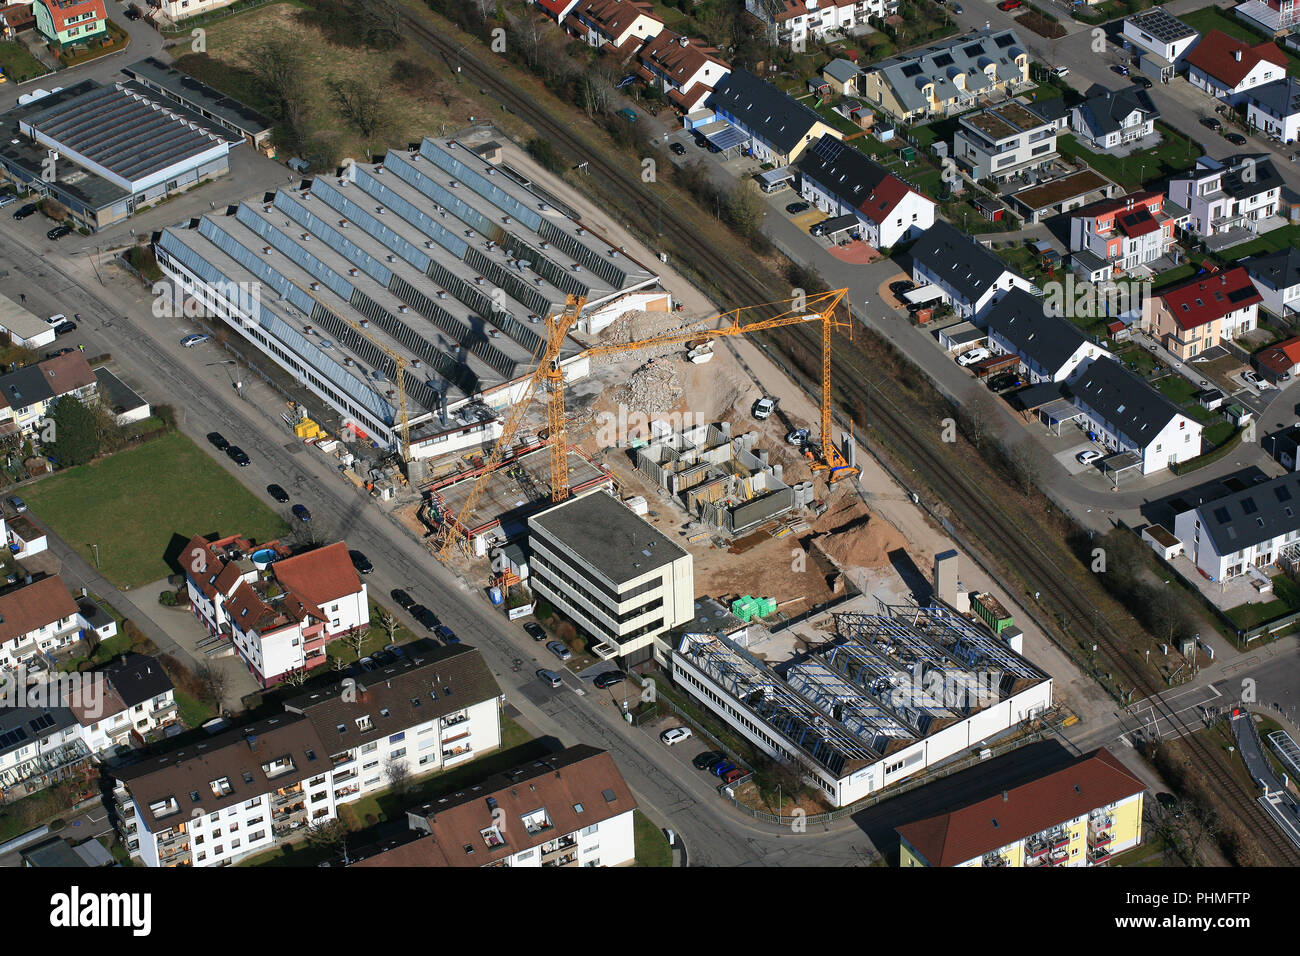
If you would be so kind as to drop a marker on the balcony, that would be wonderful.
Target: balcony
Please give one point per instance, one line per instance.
(344, 793)
(995, 859)
(454, 720)
(567, 859)
(172, 838)
(345, 776)
(1098, 856)
(167, 856)
(282, 797)
(343, 759)
(298, 811)
(1101, 823)
(1096, 841)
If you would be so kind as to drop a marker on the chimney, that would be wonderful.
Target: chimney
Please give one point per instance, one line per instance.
(1005, 796)
(1236, 55)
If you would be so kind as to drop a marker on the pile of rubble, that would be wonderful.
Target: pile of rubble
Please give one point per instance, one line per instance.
(635, 325)
(652, 388)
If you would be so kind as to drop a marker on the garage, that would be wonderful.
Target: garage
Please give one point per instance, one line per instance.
(23, 327)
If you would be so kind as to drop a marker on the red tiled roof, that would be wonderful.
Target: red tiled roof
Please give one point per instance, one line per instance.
(689, 102)
(888, 193)
(33, 606)
(678, 57)
(614, 16)
(952, 838)
(1281, 357)
(67, 373)
(1102, 208)
(319, 576)
(18, 15)
(555, 7)
(1216, 55)
(1201, 301)
(62, 10)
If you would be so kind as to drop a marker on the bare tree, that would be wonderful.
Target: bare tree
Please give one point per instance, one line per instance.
(328, 835)
(745, 207)
(527, 31)
(362, 105)
(277, 63)
(389, 624)
(976, 418)
(212, 684)
(295, 678)
(356, 639)
(597, 88)
(398, 775)
(1025, 463)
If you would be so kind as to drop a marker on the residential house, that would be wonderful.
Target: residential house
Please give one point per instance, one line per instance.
(779, 128)
(22, 536)
(1051, 348)
(1275, 109)
(1228, 536)
(686, 70)
(570, 809)
(145, 690)
(40, 744)
(215, 801)
(28, 394)
(278, 609)
(841, 180)
(1079, 816)
(620, 26)
(177, 10)
(557, 10)
(1003, 142)
(1158, 34)
(1277, 277)
(794, 22)
(1228, 68)
(1128, 415)
(1273, 17)
(948, 77)
(16, 17)
(962, 272)
(841, 76)
(1111, 118)
(67, 23)
(1116, 236)
(1238, 192)
(1279, 362)
(1203, 313)
(40, 617)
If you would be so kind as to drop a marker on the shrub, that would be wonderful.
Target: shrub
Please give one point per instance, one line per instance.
(167, 598)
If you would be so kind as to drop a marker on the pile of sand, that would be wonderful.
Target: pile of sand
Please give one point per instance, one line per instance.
(852, 537)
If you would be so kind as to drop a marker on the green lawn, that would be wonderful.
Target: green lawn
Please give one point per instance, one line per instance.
(1269, 242)
(1218, 433)
(375, 640)
(193, 712)
(1177, 388)
(1173, 276)
(18, 64)
(140, 506)
(652, 847)
(1174, 154)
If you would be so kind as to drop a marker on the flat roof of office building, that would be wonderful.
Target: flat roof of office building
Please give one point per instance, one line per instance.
(608, 537)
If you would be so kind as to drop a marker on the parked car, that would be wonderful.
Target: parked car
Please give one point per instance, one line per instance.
(395, 649)
(278, 493)
(58, 232)
(402, 599)
(1143, 82)
(56, 318)
(678, 149)
(550, 677)
(367, 664)
(1211, 122)
(1120, 68)
(301, 513)
(218, 441)
(382, 658)
(1088, 457)
(534, 630)
(1236, 139)
(447, 634)
(1006, 5)
(237, 456)
(797, 437)
(17, 504)
(676, 735)
(902, 287)
(63, 328)
(628, 114)
(967, 359)
(721, 767)
(426, 617)
(732, 775)
(795, 208)
(58, 352)
(707, 759)
(559, 650)
(608, 679)
(1060, 71)
(8, 199)
(133, 12)
(197, 339)
(763, 408)
(22, 212)
(1252, 379)
(361, 562)
(915, 307)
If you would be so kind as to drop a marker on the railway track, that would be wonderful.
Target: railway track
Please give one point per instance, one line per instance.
(855, 379)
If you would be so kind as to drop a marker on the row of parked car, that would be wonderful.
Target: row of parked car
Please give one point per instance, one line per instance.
(716, 763)
(427, 618)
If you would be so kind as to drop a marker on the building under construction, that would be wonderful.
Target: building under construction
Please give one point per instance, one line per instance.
(724, 482)
(408, 294)
(891, 694)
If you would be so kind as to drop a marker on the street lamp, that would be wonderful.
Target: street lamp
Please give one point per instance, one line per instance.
(95, 549)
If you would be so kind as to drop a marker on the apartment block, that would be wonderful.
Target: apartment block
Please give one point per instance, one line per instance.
(1002, 142)
(1237, 192)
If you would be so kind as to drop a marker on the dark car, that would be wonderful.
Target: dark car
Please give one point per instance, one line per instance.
(218, 441)
(678, 149)
(915, 307)
(534, 630)
(383, 658)
(22, 212)
(1143, 82)
(1209, 122)
(721, 767)
(402, 599)
(63, 351)
(133, 12)
(796, 207)
(901, 286)
(58, 232)
(707, 759)
(608, 679)
(447, 634)
(361, 562)
(239, 458)
(63, 328)
(300, 511)
(275, 491)
(1120, 68)
(1236, 139)
(424, 616)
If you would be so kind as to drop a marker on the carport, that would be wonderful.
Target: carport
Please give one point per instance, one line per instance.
(1118, 463)
(725, 137)
(830, 228)
(1057, 412)
(926, 293)
(775, 179)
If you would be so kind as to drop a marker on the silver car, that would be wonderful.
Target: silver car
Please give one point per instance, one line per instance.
(559, 650)
(550, 677)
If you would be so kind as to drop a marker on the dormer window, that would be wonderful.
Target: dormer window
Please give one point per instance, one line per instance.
(492, 837)
(364, 723)
(221, 787)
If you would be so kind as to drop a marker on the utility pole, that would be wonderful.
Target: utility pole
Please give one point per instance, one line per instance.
(95, 548)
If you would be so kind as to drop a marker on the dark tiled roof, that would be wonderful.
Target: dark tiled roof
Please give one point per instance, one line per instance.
(1248, 176)
(1105, 111)
(153, 72)
(1254, 515)
(773, 117)
(1279, 270)
(958, 259)
(137, 678)
(1048, 340)
(853, 178)
(1124, 400)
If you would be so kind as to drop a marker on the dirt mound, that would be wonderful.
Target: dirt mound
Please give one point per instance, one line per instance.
(654, 387)
(852, 537)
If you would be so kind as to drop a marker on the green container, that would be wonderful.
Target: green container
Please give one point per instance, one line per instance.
(908, 153)
(991, 613)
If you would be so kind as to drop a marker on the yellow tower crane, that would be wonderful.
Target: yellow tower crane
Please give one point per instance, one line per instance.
(547, 373)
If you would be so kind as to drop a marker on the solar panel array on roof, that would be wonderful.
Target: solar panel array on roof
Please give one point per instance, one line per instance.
(1004, 40)
(943, 59)
(911, 70)
(1162, 26)
(480, 184)
(1237, 295)
(828, 148)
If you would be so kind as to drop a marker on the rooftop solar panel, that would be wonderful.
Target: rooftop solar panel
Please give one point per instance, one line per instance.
(1004, 40)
